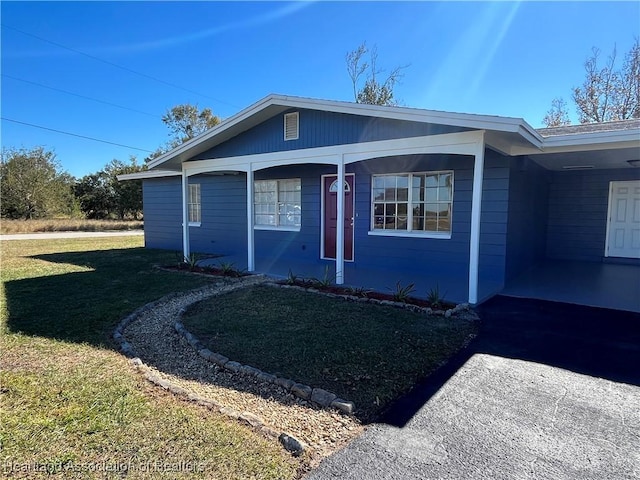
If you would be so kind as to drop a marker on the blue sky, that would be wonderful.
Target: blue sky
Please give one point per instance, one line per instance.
(502, 58)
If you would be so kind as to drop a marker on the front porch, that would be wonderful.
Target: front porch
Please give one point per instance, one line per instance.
(606, 285)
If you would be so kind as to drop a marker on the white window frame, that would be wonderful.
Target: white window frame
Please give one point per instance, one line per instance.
(278, 202)
(409, 232)
(295, 117)
(194, 205)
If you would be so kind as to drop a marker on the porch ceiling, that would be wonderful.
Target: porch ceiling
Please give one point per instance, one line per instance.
(592, 159)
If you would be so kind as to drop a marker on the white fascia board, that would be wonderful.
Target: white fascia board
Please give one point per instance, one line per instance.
(464, 143)
(147, 174)
(610, 139)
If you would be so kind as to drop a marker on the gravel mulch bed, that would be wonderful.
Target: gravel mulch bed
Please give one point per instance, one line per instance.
(170, 357)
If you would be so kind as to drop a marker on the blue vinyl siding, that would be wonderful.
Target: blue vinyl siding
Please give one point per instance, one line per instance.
(379, 261)
(527, 224)
(223, 229)
(321, 129)
(162, 202)
(577, 221)
(224, 218)
(278, 251)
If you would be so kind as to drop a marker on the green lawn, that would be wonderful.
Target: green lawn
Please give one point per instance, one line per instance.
(365, 353)
(72, 405)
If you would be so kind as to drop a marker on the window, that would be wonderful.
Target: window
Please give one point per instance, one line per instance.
(291, 122)
(277, 203)
(195, 213)
(413, 202)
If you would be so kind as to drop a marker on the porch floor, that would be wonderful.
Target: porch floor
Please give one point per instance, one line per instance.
(584, 283)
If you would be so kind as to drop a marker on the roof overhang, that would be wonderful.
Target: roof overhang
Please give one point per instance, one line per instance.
(508, 132)
(595, 150)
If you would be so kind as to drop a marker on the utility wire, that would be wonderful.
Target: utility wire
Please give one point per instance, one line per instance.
(93, 57)
(74, 134)
(80, 96)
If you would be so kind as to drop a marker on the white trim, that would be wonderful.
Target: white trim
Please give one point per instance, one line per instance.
(609, 211)
(251, 251)
(291, 228)
(291, 117)
(185, 216)
(276, 229)
(612, 184)
(406, 234)
(409, 232)
(148, 174)
(340, 223)
(449, 143)
(476, 204)
(322, 212)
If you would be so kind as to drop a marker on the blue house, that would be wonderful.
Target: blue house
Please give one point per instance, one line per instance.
(472, 204)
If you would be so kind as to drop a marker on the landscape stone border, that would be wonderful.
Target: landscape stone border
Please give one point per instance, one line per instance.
(319, 396)
(289, 442)
(459, 308)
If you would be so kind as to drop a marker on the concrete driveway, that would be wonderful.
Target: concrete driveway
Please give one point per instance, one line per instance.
(547, 390)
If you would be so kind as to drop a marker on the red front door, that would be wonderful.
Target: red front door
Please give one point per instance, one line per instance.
(330, 212)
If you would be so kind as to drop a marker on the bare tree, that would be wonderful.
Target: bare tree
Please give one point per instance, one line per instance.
(607, 93)
(557, 115)
(374, 91)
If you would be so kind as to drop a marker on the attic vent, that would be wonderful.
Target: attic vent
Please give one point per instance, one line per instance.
(291, 126)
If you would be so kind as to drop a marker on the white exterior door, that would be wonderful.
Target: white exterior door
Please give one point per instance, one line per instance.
(623, 228)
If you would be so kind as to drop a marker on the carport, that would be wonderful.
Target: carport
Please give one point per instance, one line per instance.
(580, 219)
(606, 285)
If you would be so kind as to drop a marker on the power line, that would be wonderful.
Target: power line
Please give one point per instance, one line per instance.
(80, 96)
(93, 57)
(74, 134)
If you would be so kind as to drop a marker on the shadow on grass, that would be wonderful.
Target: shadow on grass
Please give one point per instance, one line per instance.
(86, 306)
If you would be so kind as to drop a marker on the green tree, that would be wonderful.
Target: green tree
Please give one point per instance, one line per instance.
(127, 196)
(33, 185)
(102, 195)
(94, 194)
(608, 93)
(374, 91)
(187, 121)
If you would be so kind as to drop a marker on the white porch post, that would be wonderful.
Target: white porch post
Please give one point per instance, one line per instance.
(185, 214)
(250, 232)
(340, 223)
(476, 200)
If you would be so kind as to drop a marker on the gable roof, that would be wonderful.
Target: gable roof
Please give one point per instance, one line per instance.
(520, 133)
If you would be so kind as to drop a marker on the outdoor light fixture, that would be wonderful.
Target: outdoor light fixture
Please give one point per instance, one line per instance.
(577, 167)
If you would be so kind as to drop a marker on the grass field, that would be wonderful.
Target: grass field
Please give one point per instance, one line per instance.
(71, 406)
(66, 225)
(369, 354)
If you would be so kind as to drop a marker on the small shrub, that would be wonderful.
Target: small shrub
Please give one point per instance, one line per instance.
(191, 261)
(359, 292)
(228, 269)
(327, 279)
(401, 294)
(292, 279)
(434, 297)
